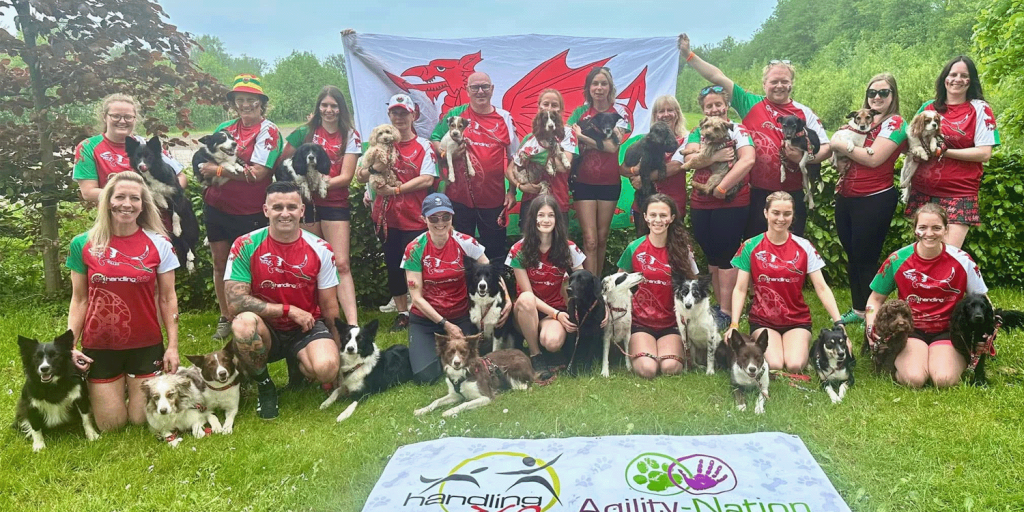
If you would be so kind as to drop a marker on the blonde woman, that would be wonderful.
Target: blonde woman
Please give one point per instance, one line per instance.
(664, 109)
(117, 268)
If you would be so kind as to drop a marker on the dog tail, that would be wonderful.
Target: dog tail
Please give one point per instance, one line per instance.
(1011, 319)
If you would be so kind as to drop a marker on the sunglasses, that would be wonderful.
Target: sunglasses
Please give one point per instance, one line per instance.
(479, 88)
(717, 89)
(884, 93)
(444, 217)
(773, 62)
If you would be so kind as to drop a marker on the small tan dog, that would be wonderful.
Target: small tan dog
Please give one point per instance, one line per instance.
(380, 157)
(714, 135)
(924, 138)
(453, 140)
(475, 380)
(852, 135)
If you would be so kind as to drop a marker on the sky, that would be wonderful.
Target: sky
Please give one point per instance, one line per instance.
(270, 30)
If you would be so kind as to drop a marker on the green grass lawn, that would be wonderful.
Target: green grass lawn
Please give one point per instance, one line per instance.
(885, 448)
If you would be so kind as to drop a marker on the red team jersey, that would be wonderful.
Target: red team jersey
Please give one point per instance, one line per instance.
(653, 305)
(122, 313)
(332, 143)
(931, 287)
(778, 273)
(415, 158)
(738, 138)
(966, 125)
(259, 144)
(532, 152)
(444, 272)
(546, 280)
(601, 167)
(283, 273)
(97, 157)
(492, 141)
(860, 180)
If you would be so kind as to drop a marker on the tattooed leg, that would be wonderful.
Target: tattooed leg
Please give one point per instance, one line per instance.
(251, 348)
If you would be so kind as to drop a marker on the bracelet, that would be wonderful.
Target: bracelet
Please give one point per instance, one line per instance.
(220, 170)
(634, 170)
(719, 189)
(398, 190)
(557, 312)
(442, 322)
(690, 56)
(734, 325)
(444, 153)
(285, 308)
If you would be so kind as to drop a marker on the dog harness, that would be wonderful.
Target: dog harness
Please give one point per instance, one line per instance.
(989, 348)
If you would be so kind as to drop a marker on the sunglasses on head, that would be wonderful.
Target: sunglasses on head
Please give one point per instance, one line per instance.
(879, 92)
(717, 89)
(443, 217)
(778, 62)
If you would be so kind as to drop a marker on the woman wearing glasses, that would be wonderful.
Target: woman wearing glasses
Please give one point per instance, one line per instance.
(236, 207)
(598, 182)
(331, 128)
(98, 157)
(760, 114)
(718, 222)
(953, 177)
(865, 196)
(436, 272)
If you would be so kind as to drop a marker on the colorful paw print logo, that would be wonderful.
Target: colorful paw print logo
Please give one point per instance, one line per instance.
(664, 475)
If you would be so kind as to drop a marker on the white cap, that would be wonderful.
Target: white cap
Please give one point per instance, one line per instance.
(402, 100)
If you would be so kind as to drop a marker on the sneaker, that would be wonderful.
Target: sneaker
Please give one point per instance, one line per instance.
(722, 320)
(851, 317)
(390, 307)
(266, 402)
(401, 322)
(223, 329)
(540, 366)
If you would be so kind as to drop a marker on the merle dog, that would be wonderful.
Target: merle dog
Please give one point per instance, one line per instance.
(649, 153)
(586, 309)
(796, 135)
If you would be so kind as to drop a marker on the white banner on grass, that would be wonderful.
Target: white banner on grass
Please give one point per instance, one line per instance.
(761, 472)
(434, 72)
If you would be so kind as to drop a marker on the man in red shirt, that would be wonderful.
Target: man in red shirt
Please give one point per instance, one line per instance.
(491, 138)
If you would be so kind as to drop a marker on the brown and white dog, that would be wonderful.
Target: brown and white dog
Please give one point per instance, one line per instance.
(743, 358)
(219, 371)
(714, 135)
(473, 380)
(924, 138)
(852, 135)
(894, 323)
(380, 157)
(548, 129)
(174, 404)
(453, 140)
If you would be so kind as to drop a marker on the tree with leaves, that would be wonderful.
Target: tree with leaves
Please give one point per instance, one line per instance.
(997, 38)
(66, 55)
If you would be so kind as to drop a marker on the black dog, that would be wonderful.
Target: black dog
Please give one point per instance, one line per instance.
(649, 153)
(218, 148)
(309, 168)
(365, 369)
(486, 300)
(834, 362)
(796, 135)
(974, 324)
(147, 159)
(53, 391)
(600, 127)
(586, 309)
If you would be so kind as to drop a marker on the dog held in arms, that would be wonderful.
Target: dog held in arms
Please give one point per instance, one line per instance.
(973, 328)
(218, 148)
(148, 160)
(853, 135)
(309, 168)
(473, 380)
(452, 141)
(832, 359)
(692, 298)
(53, 393)
(381, 155)
(649, 155)
(796, 135)
(548, 129)
(617, 290)
(486, 301)
(714, 135)
(601, 127)
(924, 140)
(894, 323)
(743, 357)
(365, 369)
(586, 308)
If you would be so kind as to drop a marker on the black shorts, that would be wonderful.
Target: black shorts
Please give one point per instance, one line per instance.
(780, 330)
(287, 344)
(110, 365)
(224, 227)
(585, 192)
(333, 213)
(656, 333)
(929, 338)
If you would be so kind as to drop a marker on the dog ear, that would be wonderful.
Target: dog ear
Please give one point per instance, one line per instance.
(154, 145)
(131, 144)
(27, 344)
(65, 341)
(736, 340)
(184, 384)
(442, 341)
(852, 114)
(370, 329)
(229, 347)
(204, 139)
(196, 360)
(474, 343)
(762, 341)
(778, 120)
(874, 112)
(705, 281)
(146, 389)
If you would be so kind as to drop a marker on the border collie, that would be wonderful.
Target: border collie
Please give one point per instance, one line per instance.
(692, 299)
(174, 404)
(649, 154)
(365, 369)
(834, 362)
(309, 168)
(453, 140)
(53, 392)
(486, 300)
(148, 160)
(796, 135)
(853, 135)
(924, 138)
(218, 148)
(586, 308)
(474, 381)
(219, 371)
(617, 290)
(743, 357)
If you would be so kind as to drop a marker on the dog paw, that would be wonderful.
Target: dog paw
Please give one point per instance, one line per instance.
(36, 447)
(420, 412)
(198, 432)
(759, 409)
(325, 404)
(450, 413)
(605, 373)
(741, 407)
(836, 399)
(92, 436)
(710, 371)
(218, 429)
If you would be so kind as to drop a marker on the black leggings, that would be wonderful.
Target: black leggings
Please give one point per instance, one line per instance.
(757, 224)
(862, 224)
(394, 250)
(470, 221)
(719, 232)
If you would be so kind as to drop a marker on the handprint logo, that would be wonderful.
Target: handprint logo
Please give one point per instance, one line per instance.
(701, 480)
(711, 476)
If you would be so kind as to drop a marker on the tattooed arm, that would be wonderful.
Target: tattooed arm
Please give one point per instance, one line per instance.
(240, 300)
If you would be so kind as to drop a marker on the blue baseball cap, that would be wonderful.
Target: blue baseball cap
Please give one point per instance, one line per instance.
(437, 202)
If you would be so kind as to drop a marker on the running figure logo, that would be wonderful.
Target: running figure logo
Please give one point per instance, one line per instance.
(776, 263)
(117, 258)
(919, 279)
(277, 265)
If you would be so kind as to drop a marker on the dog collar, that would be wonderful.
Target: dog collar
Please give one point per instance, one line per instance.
(229, 386)
(346, 373)
(200, 407)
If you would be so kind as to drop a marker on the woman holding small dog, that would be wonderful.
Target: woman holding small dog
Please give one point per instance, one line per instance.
(865, 196)
(436, 274)
(331, 128)
(550, 100)
(778, 263)
(236, 207)
(598, 182)
(932, 276)
(718, 222)
(655, 344)
(760, 117)
(119, 269)
(952, 178)
(666, 109)
(541, 261)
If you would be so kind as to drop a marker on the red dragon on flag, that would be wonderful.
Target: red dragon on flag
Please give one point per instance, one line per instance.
(520, 100)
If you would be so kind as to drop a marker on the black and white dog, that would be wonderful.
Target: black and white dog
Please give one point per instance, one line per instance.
(309, 168)
(365, 369)
(834, 362)
(796, 135)
(694, 319)
(617, 290)
(218, 148)
(53, 394)
(586, 309)
(148, 160)
(486, 300)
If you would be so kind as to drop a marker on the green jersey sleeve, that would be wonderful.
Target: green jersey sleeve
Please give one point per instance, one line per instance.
(577, 114)
(85, 162)
(743, 101)
(442, 127)
(74, 261)
(626, 260)
(742, 258)
(296, 137)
